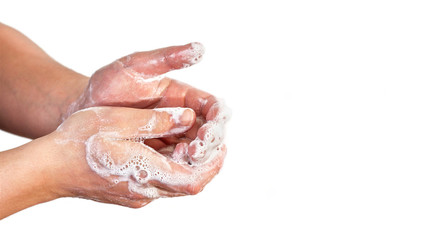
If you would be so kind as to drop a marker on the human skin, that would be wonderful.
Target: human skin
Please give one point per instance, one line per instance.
(55, 165)
(38, 94)
(35, 89)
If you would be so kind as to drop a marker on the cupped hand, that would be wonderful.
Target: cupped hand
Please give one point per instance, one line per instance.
(137, 80)
(105, 158)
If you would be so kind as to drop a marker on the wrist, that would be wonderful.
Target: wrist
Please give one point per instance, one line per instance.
(73, 96)
(26, 177)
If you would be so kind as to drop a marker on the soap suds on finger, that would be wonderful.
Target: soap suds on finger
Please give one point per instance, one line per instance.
(202, 148)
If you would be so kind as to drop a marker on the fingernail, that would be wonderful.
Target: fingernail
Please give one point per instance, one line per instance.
(187, 117)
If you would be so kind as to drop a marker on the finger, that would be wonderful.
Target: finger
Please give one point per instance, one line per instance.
(215, 111)
(211, 134)
(177, 152)
(205, 104)
(181, 94)
(199, 100)
(180, 153)
(209, 137)
(192, 132)
(139, 124)
(200, 175)
(160, 61)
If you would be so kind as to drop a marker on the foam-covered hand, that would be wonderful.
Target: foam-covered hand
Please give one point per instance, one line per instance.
(105, 157)
(137, 81)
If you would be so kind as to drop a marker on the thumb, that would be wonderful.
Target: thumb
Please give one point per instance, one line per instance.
(160, 61)
(131, 123)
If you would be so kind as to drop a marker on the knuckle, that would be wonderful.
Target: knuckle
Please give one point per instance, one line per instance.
(169, 60)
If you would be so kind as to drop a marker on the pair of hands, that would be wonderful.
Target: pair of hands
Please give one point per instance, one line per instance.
(152, 136)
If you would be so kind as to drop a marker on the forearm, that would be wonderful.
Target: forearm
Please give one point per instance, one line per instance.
(26, 177)
(35, 90)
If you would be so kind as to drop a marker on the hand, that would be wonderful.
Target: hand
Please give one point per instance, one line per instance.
(104, 157)
(137, 81)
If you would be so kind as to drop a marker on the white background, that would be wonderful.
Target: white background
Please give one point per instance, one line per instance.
(324, 142)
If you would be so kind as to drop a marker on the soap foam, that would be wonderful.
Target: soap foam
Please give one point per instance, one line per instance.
(140, 77)
(140, 166)
(214, 134)
(193, 55)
